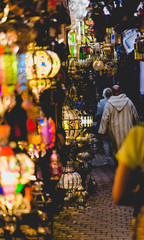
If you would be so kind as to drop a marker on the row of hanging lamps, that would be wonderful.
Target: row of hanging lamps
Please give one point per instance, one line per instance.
(85, 51)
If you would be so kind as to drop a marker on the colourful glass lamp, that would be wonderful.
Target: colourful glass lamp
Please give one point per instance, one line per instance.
(41, 65)
(69, 179)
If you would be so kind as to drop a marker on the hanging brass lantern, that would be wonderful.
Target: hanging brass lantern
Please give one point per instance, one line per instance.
(70, 181)
(98, 65)
(41, 65)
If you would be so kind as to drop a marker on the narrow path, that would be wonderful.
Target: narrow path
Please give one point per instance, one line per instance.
(100, 219)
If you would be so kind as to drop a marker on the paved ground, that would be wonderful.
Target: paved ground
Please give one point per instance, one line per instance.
(100, 219)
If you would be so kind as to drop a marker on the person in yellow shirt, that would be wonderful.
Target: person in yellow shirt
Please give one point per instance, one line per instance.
(128, 186)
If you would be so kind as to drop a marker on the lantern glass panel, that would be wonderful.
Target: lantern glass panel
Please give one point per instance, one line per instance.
(56, 64)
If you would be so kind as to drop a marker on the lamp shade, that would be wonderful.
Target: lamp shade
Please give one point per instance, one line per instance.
(14, 169)
(41, 64)
(69, 179)
(9, 172)
(38, 64)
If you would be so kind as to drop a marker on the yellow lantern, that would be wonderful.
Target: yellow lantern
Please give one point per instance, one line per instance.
(38, 64)
(41, 65)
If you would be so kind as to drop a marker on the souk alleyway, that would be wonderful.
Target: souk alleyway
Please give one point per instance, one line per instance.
(101, 219)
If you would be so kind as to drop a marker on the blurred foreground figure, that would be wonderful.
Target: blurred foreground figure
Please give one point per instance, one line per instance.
(128, 187)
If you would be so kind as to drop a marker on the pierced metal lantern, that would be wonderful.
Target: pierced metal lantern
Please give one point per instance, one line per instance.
(71, 122)
(69, 179)
(41, 65)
